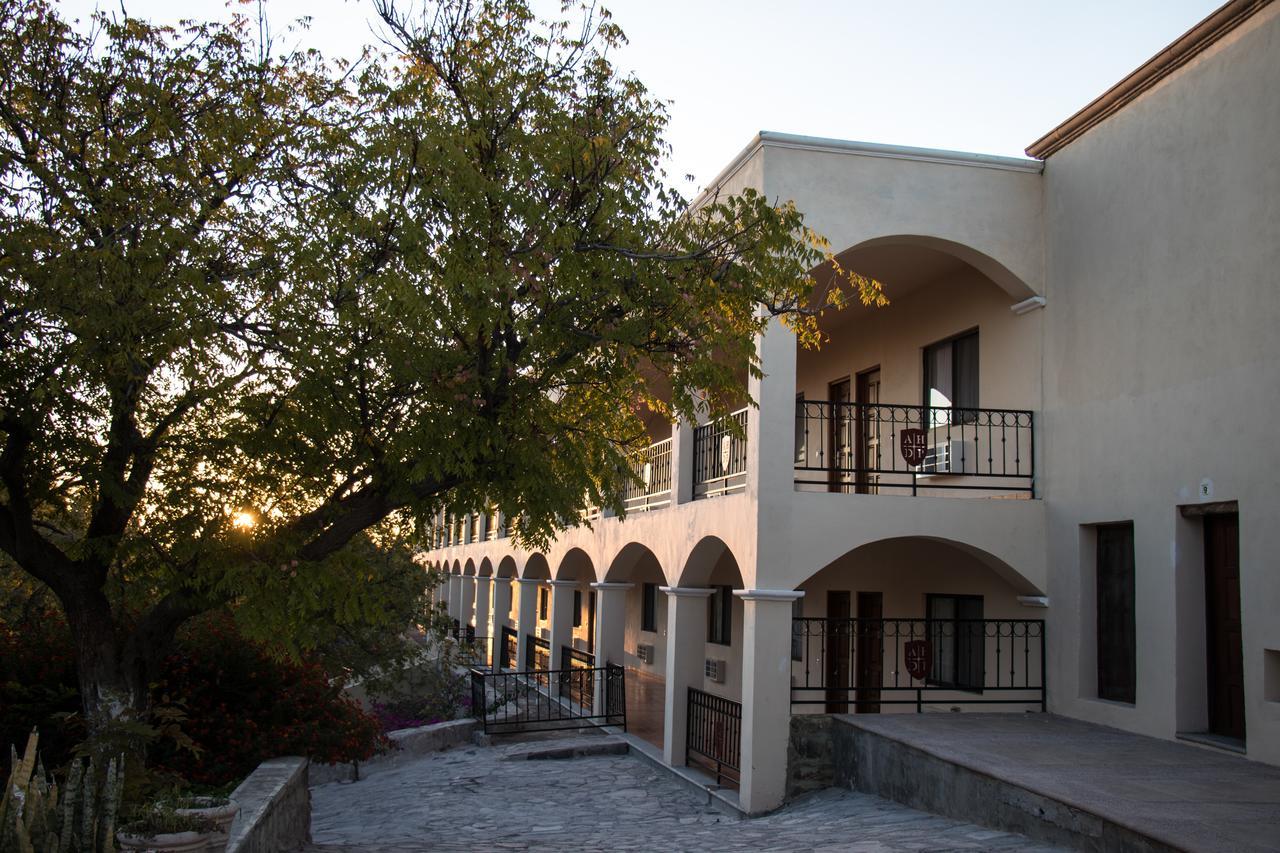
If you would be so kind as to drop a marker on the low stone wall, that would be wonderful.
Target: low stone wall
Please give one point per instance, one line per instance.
(275, 808)
(417, 741)
(810, 765)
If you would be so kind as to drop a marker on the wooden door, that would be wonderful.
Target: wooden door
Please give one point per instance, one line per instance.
(870, 652)
(1222, 613)
(840, 443)
(867, 431)
(839, 651)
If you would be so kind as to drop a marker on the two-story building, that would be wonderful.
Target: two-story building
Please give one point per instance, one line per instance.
(1039, 478)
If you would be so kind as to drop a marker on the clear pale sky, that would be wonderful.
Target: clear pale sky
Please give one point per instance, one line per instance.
(988, 76)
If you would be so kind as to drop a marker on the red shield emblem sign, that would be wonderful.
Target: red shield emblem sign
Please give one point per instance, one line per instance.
(914, 444)
(918, 658)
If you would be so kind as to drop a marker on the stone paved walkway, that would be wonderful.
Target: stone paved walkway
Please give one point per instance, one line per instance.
(470, 798)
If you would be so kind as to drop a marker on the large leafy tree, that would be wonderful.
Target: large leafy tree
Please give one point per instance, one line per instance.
(335, 300)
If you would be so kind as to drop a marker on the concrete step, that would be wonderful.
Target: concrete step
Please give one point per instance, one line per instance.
(567, 748)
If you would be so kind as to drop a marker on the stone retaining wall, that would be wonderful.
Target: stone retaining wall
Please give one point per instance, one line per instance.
(417, 741)
(810, 765)
(275, 808)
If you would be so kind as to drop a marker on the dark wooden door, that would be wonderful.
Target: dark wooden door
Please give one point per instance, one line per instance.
(867, 429)
(840, 441)
(870, 652)
(839, 651)
(1222, 606)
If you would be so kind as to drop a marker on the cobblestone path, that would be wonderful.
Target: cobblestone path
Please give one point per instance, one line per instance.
(470, 798)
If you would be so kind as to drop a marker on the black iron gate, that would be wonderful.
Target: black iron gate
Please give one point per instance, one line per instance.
(714, 734)
(509, 702)
(508, 649)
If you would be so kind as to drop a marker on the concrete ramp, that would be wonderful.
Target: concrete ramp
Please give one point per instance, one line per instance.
(1062, 781)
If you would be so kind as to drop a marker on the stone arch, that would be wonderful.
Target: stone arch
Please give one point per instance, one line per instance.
(536, 568)
(506, 567)
(635, 562)
(469, 568)
(993, 269)
(485, 569)
(576, 565)
(710, 558)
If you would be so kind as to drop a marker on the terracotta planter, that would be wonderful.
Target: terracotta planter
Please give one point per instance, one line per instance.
(167, 842)
(222, 815)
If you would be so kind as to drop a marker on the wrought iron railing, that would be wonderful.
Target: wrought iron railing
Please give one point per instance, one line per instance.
(508, 702)
(652, 488)
(508, 650)
(720, 456)
(871, 448)
(537, 653)
(577, 689)
(861, 664)
(713, 735)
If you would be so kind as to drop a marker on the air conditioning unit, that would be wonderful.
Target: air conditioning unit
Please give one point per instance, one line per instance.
(644, 651)
(580, 644)
(715, 670)
(957, 456)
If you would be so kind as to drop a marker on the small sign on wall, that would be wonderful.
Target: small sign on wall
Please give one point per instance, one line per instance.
(913, 444)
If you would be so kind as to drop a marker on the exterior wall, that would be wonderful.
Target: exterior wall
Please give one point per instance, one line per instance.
(1161, 370)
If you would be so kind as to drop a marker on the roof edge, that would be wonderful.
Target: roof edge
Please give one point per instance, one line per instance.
(1185, 48)
(897, 152)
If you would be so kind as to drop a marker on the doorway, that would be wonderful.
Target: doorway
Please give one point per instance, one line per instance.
(840, 448)
(867, 426)
(870, 652)
(839, 651)
(1222, 625)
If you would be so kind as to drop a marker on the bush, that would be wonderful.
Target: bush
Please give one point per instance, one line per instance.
(243, 706)
(38, 686)
(435, 690)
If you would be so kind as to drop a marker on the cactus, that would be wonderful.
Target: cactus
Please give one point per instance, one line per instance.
(38, 817)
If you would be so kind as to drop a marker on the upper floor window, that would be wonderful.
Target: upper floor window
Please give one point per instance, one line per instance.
(951, 376)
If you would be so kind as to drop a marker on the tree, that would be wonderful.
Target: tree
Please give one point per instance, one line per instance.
(333, 300)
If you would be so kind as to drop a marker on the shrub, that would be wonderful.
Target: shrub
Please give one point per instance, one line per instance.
(244, 706)
(38, 687)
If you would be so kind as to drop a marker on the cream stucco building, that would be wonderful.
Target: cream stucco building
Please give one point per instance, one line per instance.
(1042, 477)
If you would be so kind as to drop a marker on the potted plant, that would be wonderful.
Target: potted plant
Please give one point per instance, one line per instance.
(163, 830)
(220, 810)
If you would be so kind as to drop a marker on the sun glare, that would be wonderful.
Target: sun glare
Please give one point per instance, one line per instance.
(244, 520)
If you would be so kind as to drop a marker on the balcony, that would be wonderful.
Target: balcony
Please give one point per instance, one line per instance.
(720, 456)
(873, 448)
(653, 473)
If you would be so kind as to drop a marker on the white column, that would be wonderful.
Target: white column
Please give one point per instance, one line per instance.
(467, 613)
(482, 607)
(455, 597)
(686, 644)
(498, 616)
(681, 463)
(771, 443)
(527, 619)
(611, 622)
(766, 696)
(561, 621)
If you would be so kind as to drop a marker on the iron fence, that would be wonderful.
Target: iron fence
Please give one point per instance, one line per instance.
(720, 456)
(537, 653)
(509, 648)
(652, 487)
(870, 448)
(713, 736)
(861, 664)
(578, 690)
(509, 702)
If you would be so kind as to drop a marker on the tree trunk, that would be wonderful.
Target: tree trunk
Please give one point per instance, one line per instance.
(113, 674)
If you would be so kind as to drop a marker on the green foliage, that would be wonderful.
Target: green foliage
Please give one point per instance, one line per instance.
(335, 300)
(38, 817)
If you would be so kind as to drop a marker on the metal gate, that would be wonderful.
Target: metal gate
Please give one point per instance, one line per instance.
(543, 700)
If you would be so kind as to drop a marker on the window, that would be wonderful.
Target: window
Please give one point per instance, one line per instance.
(649, 608)
(797, 629)
(802, 452)
(719, 616)
(1117, 655)
(577, 608)
(544, 596)
(951, 378)
(958, 638)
